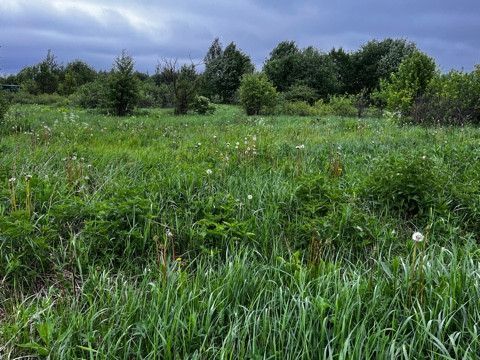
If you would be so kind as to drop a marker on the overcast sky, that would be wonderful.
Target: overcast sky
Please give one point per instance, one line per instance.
(97, 31)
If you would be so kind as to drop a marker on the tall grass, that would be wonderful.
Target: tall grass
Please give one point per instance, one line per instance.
(116, 242)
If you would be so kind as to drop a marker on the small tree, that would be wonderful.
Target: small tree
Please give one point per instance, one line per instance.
(183, 82)
(123, 87)
(48, 75)
(409, 83)
(257, 93)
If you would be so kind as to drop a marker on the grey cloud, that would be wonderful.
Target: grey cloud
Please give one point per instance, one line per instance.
(184, 29)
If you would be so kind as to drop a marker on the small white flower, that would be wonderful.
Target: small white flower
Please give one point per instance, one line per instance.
(254, 138)
(168, 233)
(28, 177)
(12, 179)
(237, 143)
(249, 197)
(417, 237)
(209, 172)
(214, 136)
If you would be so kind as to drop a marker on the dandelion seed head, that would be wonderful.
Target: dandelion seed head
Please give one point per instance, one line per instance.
(417, 237)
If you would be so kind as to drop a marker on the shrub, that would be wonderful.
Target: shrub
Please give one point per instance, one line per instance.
(4, 105)
(91, 95)
(343, 106)
(301, 93)
(407, 186)
(23, 97)
(202, 105)
(300, 108)
(257, 94)
(452, 99)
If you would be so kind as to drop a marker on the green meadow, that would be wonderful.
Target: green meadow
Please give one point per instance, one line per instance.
(232, 237)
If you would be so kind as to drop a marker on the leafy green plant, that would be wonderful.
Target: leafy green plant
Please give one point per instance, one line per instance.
(202, 105)
(257, 94)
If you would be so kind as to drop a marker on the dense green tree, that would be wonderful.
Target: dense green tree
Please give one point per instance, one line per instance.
(224, 70)
(344, 70)
(47, 76)
(76, 74)
(185, 88)
(288, 66)
(257, 93)
(377, 60)
(282, 65)
(235, 64)
(409, 83)
(123, 86)
(317, 70)
(212, 75)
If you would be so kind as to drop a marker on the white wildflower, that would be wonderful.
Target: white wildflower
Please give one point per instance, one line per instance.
(417, 237)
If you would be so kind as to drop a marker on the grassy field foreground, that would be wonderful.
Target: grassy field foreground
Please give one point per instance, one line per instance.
(230, 237)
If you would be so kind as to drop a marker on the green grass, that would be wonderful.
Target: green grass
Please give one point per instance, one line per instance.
(275, 251)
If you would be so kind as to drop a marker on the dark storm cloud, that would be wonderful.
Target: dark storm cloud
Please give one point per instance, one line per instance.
(150, 30)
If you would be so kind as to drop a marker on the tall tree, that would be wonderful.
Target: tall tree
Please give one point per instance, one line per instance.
(377, 60)
(234, 64)
(212, 75)
(224, 70)
(282, 65)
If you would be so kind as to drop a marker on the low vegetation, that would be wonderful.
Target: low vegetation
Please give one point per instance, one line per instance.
(226, 235)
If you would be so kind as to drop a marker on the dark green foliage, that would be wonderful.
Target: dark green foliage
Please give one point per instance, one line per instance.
(185, 87)
(257, 94)
(289, 66)
(452, 99)
(281, 67)
(43, 78)
(203, 106)
(93, 95)
(301, 93)
(408, 186)
(76, 74)
(152, 95)
(4, 105)
(224, 70)
(377, 60)
(123, 86)
(344, 70)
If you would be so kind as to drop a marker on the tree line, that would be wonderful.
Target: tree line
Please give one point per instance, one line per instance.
(390, 73)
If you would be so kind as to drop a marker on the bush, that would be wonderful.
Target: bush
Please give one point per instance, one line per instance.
(91, 95)
(202, 105)
(301, 93)
(23, 97)
(257, 94)
(452, 99)
(343, 106)
(4, 105)
(299, 108)
(405, 185)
